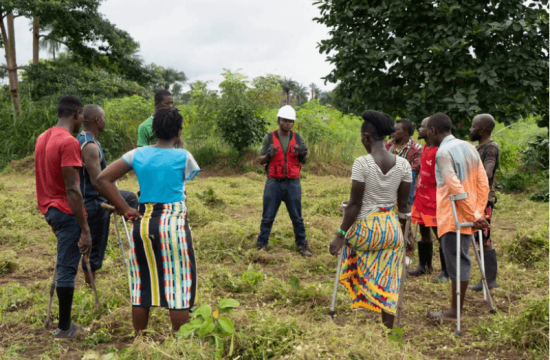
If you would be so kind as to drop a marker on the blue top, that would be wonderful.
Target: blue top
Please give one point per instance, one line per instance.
(162, 173)
(92, 199)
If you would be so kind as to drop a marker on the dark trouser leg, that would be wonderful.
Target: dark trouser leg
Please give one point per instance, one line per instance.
(140, 318)
(425, 253)
(293, 201)
(387, 319)
(67, 232)
(272, 201)
(130, 198)
(489, 254)
(178, 318)
(98, 221)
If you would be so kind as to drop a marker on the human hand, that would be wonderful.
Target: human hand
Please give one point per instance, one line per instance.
(271, 151)
(132, 214)
(481, 223)
(302, 151)
(337, 244)
(85, 243)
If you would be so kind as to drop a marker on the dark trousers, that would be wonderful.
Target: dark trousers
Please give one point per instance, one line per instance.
(290, 192)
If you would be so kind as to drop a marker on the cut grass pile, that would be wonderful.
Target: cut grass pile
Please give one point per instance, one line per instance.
(284, 298)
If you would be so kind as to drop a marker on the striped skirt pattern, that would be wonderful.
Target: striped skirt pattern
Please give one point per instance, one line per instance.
(162, 260)
(373, 261)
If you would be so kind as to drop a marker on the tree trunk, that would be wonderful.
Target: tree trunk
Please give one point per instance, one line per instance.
(11, 63)
(288, 97)
(35, 39)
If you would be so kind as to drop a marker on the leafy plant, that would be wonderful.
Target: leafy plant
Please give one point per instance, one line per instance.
(209, 198)
(212, 326)
(528, 248)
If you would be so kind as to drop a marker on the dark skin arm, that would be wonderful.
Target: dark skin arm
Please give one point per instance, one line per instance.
(352, 211)
(90, 157)
(403, 205)
(264, 159)
(107, 188)
(76, 203)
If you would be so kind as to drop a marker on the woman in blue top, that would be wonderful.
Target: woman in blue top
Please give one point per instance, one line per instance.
(162, 261)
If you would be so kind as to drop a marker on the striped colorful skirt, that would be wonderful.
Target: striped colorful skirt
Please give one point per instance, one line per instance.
(373, 261)
(162, 261)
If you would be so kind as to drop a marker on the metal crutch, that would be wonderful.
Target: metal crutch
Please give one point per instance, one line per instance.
(484, 278)
(337, 277)
(482, 256)
(459, 225)
(403, 275)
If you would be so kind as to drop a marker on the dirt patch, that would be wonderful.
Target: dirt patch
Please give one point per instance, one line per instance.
(23, 166)
(322, 169)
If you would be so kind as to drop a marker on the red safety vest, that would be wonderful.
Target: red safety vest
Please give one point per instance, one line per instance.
(281, 166)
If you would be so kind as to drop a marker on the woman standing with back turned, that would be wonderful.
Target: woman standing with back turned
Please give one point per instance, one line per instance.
(373, 257)
(162, 261)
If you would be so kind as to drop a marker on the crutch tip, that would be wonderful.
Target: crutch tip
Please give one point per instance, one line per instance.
(458, 333)
(331, 313)
(493, 311)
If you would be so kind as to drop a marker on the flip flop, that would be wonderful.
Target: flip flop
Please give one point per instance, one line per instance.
(438, 316)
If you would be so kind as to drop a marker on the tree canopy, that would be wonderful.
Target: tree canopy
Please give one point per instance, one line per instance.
(414, 58)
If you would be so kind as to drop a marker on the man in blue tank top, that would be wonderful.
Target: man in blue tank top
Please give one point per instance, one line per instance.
(93, 162)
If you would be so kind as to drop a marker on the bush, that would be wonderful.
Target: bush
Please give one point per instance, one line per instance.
(527, 331)
(527, 249)
(239, 126)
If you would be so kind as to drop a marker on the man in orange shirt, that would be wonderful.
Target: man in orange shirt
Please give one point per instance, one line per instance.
(458, 169)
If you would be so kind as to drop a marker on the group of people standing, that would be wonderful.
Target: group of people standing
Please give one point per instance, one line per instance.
(73, 180)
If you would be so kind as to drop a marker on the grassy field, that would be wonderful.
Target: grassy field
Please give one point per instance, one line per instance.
(284, 298)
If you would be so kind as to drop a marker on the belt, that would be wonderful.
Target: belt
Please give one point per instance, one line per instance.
(282, 180)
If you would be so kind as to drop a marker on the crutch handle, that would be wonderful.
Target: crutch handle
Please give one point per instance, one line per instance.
(459, 196)
(107, 206)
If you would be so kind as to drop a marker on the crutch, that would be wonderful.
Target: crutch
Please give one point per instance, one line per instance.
(403, 275)
(92, 282)
(482, 256)
(458, 225)
(112, 208)
(483, 277)
(337, 277)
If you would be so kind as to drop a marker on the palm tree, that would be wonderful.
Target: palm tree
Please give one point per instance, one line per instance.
(300, 94)
(50, 44)
(325, 97)
(288, 85)
(176, 90)
(314, 91)
(171, 77)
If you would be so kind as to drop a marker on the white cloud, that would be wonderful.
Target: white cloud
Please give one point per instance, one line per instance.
(200, 37)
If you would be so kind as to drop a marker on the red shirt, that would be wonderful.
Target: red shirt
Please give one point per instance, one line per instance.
(425, 200)
(55, 148)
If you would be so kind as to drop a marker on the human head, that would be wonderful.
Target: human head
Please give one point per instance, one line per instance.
(439, 127)
(94, 116)
(404, 129)
(167, 124)
(163, 99)
(376, 127)
(482, 125)
(70, 108)
(423, 129)
(286, 117)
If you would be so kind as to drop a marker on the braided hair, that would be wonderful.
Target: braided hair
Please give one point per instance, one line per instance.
(167, 122)
(381, 123)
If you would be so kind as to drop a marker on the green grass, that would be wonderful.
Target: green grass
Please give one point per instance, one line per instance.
(284, 298)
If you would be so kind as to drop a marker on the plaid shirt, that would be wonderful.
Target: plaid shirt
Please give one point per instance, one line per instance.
(413, 153)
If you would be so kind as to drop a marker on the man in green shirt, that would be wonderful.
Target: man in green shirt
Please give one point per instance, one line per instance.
(283, 152)
(163, 99)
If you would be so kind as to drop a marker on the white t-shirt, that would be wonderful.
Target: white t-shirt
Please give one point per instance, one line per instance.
(380, 189)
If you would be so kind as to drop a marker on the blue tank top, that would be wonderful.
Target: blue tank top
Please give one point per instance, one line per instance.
(92, 199)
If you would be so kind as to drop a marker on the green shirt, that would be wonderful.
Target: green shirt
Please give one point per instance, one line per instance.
(145, 133)
(284, 142)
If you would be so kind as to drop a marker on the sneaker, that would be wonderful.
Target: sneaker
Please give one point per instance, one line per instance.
(262, 247)
(304, 250)
(73, 331)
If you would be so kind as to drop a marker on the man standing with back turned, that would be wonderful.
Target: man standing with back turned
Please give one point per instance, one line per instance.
(57, 158)
(283, 151)
(458, 170)
(481, 130)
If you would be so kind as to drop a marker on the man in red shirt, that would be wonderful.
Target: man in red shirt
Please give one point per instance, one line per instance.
(423, 211)
(57, 157)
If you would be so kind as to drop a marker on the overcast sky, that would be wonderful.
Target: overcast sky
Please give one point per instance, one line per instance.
(201, 37)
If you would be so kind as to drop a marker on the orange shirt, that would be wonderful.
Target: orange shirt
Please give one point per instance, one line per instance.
(459, 169)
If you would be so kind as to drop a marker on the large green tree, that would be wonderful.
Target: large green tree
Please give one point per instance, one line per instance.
(412, 58)
(77, 24)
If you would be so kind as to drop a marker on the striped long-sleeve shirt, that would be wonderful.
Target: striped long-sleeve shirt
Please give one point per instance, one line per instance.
(459, 169)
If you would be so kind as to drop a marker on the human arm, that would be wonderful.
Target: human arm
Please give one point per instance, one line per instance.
(482, 187)
(91, 158)
(107, 188)
(142, 136)
(490, 160)
(350, 215)
(301, 149)
(76, 203)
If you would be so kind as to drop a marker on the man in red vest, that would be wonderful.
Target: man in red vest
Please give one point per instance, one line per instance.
(283, 152)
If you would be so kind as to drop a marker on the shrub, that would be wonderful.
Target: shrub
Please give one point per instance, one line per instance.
(527, 249)
(527, 331)
(239, 126)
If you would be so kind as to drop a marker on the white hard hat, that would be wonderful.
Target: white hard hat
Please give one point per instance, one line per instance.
(287, 112)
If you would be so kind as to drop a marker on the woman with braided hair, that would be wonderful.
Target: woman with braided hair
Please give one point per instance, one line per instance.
(162, 261)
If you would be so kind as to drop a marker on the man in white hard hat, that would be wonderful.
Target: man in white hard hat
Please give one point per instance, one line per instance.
(283, 152)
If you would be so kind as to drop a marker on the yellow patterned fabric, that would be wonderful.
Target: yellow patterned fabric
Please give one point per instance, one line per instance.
(373, 260)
